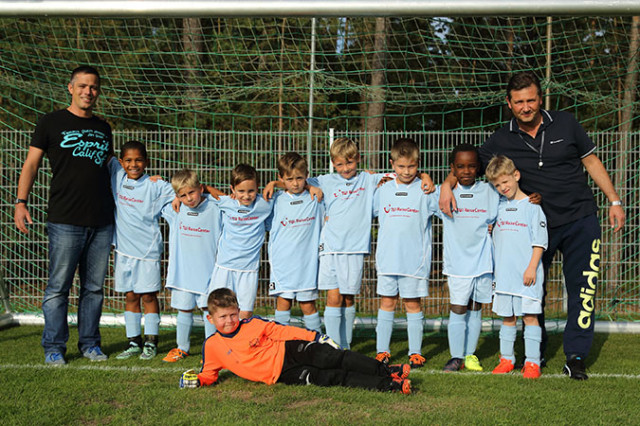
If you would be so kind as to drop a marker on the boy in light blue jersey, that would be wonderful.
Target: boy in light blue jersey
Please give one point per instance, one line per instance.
(194, 232)
(243, 232)
(403, 257)
(138, 245)
(468, 256)
(294, 236)
(520, 238)
(345, 237)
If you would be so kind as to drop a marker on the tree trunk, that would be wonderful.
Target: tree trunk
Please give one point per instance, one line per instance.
(378, 95)
(281, 89)
(621, 174)
(192, 42)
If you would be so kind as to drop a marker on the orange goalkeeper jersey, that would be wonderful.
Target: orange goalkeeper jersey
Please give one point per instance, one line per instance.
(255, 351)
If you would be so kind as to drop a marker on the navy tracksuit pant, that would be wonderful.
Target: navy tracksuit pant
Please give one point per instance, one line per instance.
(579, 243)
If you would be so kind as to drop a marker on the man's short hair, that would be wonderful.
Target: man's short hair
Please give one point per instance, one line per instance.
(499, 165)
(134, 145)
(344, 148)
(463, 147)
(290, 162)
(221, 298)
(84, 69)
(522, 80)
(185, 178)
(243, 172)
(405, 148)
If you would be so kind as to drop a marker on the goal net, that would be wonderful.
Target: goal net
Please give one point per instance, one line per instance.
(209, 93)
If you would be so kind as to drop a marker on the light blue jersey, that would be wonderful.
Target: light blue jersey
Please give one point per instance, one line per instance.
(520, 226)
(468, 249)
(193, 242)
(404, 237)
(294, 236)
(243, 229)
(348, 207)
(138, 207)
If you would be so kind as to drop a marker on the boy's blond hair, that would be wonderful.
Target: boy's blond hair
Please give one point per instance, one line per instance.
(243, 172)
(221, 298)
(290, 162)
(498, 166)
(405, 148)
(183, 179)
(344, 148)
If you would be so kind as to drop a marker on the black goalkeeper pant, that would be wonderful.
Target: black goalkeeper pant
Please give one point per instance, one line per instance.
(321, 364)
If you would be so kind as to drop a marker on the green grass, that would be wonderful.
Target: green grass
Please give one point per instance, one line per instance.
(133, 391)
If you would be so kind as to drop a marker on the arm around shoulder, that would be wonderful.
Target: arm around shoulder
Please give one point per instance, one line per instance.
(447, 202)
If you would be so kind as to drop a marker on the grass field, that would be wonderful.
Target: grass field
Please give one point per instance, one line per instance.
(137, 392)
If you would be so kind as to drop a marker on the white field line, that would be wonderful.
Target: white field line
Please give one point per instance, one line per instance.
(515, 374)
(422, 372)
(92, 367)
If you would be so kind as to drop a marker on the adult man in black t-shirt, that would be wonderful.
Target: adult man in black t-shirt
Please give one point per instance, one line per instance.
(551, 151)
(80, 214)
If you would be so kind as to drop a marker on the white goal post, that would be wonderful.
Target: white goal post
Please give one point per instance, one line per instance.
(309, 8)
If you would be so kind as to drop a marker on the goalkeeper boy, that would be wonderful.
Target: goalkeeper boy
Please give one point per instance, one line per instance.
(265, 351)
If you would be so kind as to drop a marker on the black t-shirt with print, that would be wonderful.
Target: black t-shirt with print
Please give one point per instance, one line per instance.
(77, 149)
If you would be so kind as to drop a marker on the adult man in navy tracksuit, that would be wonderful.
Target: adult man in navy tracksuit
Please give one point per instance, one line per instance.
(552, 150)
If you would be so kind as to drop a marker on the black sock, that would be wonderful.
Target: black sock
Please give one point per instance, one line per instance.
(137, 340)
(151, 338)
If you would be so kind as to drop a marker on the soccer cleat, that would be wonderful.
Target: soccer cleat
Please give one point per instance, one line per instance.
(416, 360)
(531, 370)
(94, 354)
(472, 363)
(575, 368)
(399, 371)
(54, 358)
(383, 357)
(175, 355)
(505, 366)
(132, 350)
(401, 386)
(149, 351)
(454, 364)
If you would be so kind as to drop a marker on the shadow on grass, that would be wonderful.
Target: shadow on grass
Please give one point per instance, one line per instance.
(599, 341)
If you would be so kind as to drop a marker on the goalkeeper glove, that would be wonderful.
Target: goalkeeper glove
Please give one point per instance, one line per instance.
(324, 339)
(189, 379)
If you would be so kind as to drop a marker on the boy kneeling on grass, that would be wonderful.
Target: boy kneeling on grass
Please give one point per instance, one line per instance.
(265, 351)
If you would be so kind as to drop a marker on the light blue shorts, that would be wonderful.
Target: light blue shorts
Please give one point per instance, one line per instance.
(185, 301)
(139, 276)
(462, 290)
(300, 296)
(407, 287)
(244, 284)
(341, 271)
(507, 305)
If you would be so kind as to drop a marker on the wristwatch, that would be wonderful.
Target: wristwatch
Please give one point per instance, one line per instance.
(616, 203)
(20, 201)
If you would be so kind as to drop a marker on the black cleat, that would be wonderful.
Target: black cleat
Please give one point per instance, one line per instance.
(454, 364)
(575, 368)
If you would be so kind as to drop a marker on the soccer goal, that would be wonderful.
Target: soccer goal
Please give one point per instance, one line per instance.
(209, 91)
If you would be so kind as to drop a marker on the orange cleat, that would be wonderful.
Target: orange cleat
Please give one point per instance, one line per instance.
(531, 370)
(383, 357)
(175, 355)
(505, 366)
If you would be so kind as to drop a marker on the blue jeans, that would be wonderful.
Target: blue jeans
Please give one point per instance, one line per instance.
(86, 249)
